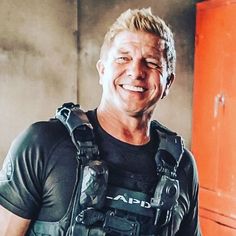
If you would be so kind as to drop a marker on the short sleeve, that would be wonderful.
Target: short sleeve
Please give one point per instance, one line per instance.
(20, 187)
(27, 166)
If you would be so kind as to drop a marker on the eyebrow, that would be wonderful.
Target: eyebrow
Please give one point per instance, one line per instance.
(156, 54)
(123, 51)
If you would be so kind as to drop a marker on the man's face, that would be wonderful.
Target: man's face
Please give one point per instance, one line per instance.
(133, 73)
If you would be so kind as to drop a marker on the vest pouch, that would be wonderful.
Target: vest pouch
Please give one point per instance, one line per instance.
(82, 230)
(94, 185)
(44, 228)
(165, 197)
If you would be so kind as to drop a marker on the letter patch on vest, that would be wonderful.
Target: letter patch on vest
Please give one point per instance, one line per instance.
(130, 201)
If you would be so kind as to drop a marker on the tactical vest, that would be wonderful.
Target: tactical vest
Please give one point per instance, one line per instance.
(86, 215)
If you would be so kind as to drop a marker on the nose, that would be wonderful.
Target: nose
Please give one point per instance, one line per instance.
(136, 70)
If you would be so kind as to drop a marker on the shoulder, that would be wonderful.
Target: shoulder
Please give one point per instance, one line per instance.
(155, 125)
(39, 139)
(187, 160)
(188, 164)
(188, 175)
(40, 148)
(44, 133)
(34, 165)
(46, 129)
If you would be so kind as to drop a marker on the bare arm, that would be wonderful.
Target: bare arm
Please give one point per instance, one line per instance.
(11, 224)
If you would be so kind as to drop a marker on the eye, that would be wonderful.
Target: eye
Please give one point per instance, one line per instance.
(153, 64)
(122, 59)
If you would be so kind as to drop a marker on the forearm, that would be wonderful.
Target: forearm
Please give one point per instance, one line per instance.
(11, 224)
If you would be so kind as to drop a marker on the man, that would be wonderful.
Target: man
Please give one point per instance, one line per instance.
(150, 188)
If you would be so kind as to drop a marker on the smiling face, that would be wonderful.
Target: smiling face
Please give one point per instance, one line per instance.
(133, 73)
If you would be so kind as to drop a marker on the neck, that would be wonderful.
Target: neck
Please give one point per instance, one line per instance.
(129, 129)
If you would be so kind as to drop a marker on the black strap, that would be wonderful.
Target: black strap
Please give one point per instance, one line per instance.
(80, 130)
(168, 157)
(170, 150)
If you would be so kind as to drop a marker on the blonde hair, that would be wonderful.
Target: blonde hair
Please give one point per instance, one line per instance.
(143, 20)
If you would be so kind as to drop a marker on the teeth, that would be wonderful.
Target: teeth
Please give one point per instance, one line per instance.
(133, 88)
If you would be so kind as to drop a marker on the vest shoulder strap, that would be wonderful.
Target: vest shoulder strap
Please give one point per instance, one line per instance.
(170, 143)
(80, 130)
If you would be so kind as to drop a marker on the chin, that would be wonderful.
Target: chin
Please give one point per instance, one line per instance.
(134, 112)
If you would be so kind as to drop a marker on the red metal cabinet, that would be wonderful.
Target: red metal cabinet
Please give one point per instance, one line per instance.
(214, 115)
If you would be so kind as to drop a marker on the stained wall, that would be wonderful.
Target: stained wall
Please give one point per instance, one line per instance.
(38, 62)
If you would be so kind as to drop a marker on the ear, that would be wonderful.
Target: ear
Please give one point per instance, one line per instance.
(170, 80)
(100, 68)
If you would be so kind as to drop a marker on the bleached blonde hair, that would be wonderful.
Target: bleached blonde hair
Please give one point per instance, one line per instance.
(143, 20)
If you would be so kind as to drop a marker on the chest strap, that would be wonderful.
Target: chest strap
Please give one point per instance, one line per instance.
(168, 157)
(91, 179)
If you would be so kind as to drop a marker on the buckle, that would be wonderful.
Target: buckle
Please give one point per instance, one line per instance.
(89, 217)
(87, 151)
(121, 225)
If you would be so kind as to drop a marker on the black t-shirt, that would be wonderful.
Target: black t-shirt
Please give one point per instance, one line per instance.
(41, 166)
(133, 162)
(38, 176)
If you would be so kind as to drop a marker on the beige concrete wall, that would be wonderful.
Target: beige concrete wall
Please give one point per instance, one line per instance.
(38, 59)
(38, 62)
(94, 18)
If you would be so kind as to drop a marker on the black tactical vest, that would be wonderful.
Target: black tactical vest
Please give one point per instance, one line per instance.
(95, 207)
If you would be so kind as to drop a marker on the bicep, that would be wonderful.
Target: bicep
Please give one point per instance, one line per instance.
(11, 224)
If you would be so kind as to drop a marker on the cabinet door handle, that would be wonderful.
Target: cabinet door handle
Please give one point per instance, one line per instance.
(219, 100)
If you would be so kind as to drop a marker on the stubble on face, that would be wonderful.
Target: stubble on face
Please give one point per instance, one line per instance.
(125, 90)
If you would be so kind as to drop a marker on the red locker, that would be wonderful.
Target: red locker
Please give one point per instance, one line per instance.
(214, 115)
